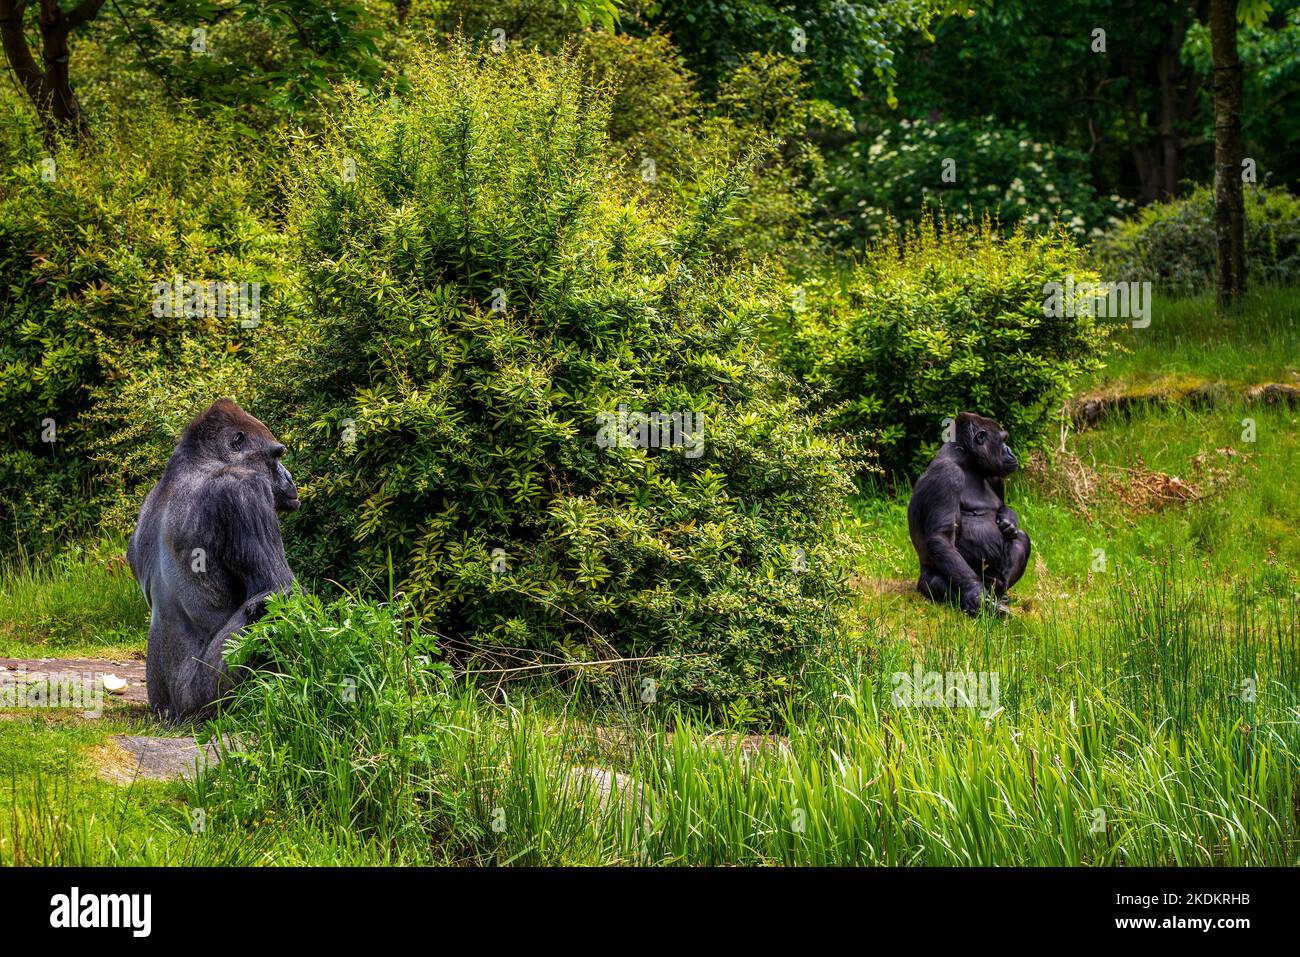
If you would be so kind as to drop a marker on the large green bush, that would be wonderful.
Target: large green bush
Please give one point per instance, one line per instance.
(86, 230)
(486, 287)
(949, 318)
(1173, 245)
(663, 133)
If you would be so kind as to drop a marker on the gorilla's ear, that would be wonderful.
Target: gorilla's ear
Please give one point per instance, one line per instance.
(981, 436)
(237, 442)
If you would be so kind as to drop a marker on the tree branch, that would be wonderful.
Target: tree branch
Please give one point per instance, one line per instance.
(14, 41)
(84, 12)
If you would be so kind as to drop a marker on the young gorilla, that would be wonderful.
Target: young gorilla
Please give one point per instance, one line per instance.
(969, 543)
(206, 552)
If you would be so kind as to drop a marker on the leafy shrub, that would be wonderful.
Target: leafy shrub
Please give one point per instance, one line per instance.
(480, 295)
(1000, 172)
(653, 106)
(256, 64)
(352, 730)
(150, 199)
(665, 134)
(1173, 245)
(134, 419)
(949, 318)
(848, 50)
(765, 100)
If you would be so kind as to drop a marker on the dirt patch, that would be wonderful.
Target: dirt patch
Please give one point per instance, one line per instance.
(1142, 490)
(115, 764)
(32, 682)
(130, 757)
(1139, 488)
(882, 586)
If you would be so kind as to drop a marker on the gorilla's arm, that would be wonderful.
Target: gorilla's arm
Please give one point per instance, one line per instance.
(1007, 521)
(939, 501)
(201, 680)
(246, 532)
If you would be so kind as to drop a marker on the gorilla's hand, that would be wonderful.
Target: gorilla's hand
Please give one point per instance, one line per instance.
(1007, 525)
(990, 600)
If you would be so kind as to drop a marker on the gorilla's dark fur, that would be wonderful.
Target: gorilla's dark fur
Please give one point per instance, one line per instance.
(970, 544)
(207, 552)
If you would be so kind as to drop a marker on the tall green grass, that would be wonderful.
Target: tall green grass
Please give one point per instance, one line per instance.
(55, 810)
(81, 603)
(1191, 341)
(1123, 736)
(52, 823)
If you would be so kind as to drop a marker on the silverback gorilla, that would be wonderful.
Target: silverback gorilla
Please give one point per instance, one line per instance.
(970, 544)
(206, 552)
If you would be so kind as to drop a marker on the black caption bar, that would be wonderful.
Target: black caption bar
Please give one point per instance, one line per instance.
(336, 906)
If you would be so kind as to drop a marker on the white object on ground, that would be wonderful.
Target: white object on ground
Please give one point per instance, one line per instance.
(113, 684)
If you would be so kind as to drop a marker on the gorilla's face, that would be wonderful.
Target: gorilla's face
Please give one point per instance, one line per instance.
(252, 445)
(229, 436)
(986, 443)
(286, 493)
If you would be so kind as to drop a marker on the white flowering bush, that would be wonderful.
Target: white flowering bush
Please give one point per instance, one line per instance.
(970, 170)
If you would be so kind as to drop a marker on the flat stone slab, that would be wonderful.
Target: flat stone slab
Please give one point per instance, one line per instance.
(609, 789)
(135, 756)
(26, 682)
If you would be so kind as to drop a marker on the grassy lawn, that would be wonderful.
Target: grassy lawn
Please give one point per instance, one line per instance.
(1232, 510)
(83, 604)
(1189, 344)
(59, 808)
(1147, 706)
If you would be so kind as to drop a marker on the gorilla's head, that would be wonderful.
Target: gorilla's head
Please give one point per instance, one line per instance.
(985, 442)
(226, 434)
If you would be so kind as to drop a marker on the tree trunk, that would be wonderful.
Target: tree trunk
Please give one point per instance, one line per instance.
(1229, 200)
(47, 83)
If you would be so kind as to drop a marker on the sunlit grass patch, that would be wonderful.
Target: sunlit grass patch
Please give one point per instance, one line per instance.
(81, 604)
(1190, 342)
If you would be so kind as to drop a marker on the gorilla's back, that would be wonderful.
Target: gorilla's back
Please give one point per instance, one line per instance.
(141, 549)
(181, 614)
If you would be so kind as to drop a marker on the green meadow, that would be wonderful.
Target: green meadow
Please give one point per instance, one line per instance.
(1140, 707)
